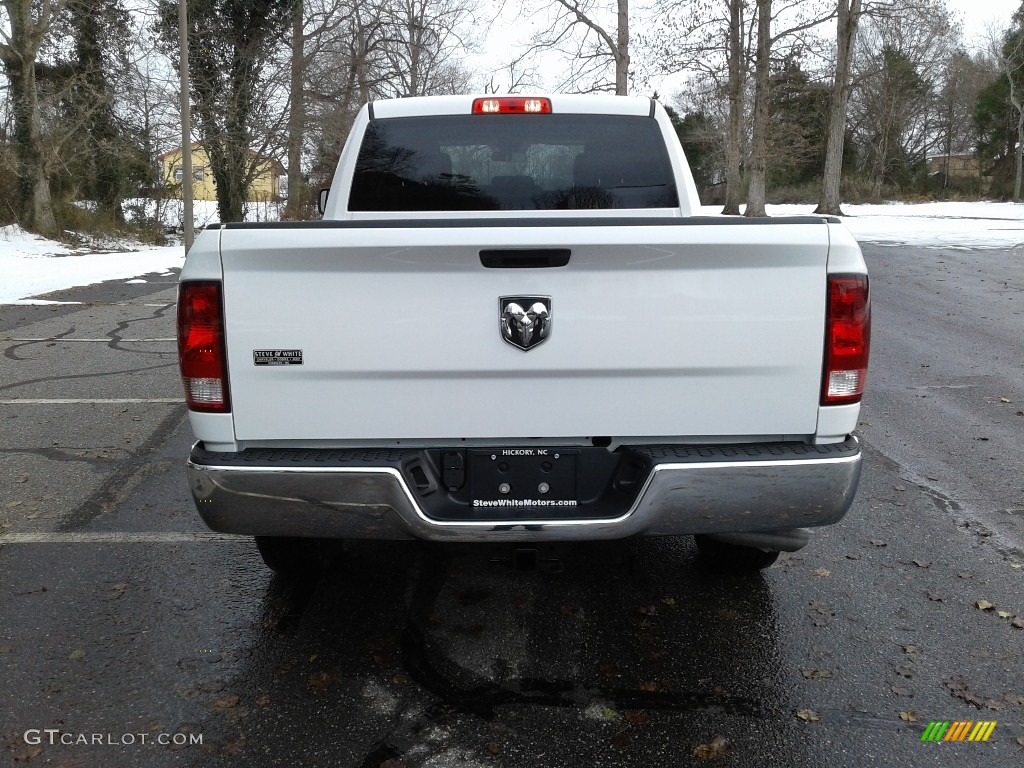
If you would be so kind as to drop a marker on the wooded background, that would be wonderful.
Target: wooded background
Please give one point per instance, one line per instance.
(811, 101)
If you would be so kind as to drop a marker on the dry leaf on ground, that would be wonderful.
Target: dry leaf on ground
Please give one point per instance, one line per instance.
(637, 718)
(817, 674)
(715, 748)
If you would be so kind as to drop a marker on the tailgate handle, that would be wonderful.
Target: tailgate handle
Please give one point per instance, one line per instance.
(518, 258)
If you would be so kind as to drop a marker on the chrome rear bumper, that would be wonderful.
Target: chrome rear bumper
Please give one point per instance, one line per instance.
(365, 494)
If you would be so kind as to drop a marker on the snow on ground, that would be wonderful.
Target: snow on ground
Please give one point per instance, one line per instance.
(30, 265)
(955, 225)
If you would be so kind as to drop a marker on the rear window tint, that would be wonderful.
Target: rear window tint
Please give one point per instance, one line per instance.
(512, 162)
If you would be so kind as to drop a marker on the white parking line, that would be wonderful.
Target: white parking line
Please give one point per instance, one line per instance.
(87, 400)
(151, 537)
(89, 341)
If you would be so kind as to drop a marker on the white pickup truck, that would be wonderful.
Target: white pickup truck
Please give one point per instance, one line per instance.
(513, 325)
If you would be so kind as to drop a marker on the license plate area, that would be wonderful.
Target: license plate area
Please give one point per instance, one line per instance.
(523, 480)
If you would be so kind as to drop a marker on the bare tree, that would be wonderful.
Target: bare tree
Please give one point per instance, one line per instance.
(147, 104)
(801, 17)
(296, 113)
(343, 65)
(963, 78)
(517, 77)
(423, 39)
(705, 41)
(22, 34)
(898, 68)
(358, 50)
(756, 192)
(718, 42)
(575, 30)
(848, 13)
(314, 22)
(737, 75)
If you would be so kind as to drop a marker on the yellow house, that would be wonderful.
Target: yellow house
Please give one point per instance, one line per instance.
(266, 186)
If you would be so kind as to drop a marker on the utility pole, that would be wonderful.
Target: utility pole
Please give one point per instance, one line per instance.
(186, 125)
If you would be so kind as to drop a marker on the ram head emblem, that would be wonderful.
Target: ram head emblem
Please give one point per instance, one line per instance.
(525, 320)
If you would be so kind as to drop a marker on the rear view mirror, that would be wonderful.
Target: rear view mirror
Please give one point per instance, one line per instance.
(321, 202)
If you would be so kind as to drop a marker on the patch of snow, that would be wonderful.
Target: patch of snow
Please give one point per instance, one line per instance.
(134, 282)
(37, 302)
(15, 240)
(32, 265)
(960, 225)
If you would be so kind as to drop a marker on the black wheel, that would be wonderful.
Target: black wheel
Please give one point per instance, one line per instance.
(733, 558)
(289, 557)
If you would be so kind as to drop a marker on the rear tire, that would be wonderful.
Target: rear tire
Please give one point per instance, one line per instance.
(290, 557)
(733, 558)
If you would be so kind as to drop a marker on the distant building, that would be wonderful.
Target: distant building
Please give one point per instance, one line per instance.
(266, 186)
(958, 166)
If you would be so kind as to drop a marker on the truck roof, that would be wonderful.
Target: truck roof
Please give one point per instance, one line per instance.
(601, 104)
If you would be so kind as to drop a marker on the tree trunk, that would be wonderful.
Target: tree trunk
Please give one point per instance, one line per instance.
(1018, 153)
(296, 120)
(762, 84)
(622, 50)
(414, 30)
(829, 200)
(881, 162)
(1019, 156)
(734, 152)
(34, 202)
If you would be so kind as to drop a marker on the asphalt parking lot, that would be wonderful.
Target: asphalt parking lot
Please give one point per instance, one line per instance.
(122, 617)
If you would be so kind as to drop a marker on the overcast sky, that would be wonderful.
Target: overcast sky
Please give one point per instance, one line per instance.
(976, 15)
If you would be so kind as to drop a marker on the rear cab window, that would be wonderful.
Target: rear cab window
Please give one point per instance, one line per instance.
(512, 162)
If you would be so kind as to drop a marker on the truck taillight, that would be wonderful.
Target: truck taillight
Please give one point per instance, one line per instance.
(847, 339)
(511, 105)
(201, 351)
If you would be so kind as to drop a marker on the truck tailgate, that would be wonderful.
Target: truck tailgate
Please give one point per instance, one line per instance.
(701, 328)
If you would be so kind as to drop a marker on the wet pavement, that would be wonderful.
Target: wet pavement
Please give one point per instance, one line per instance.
(122, 617)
